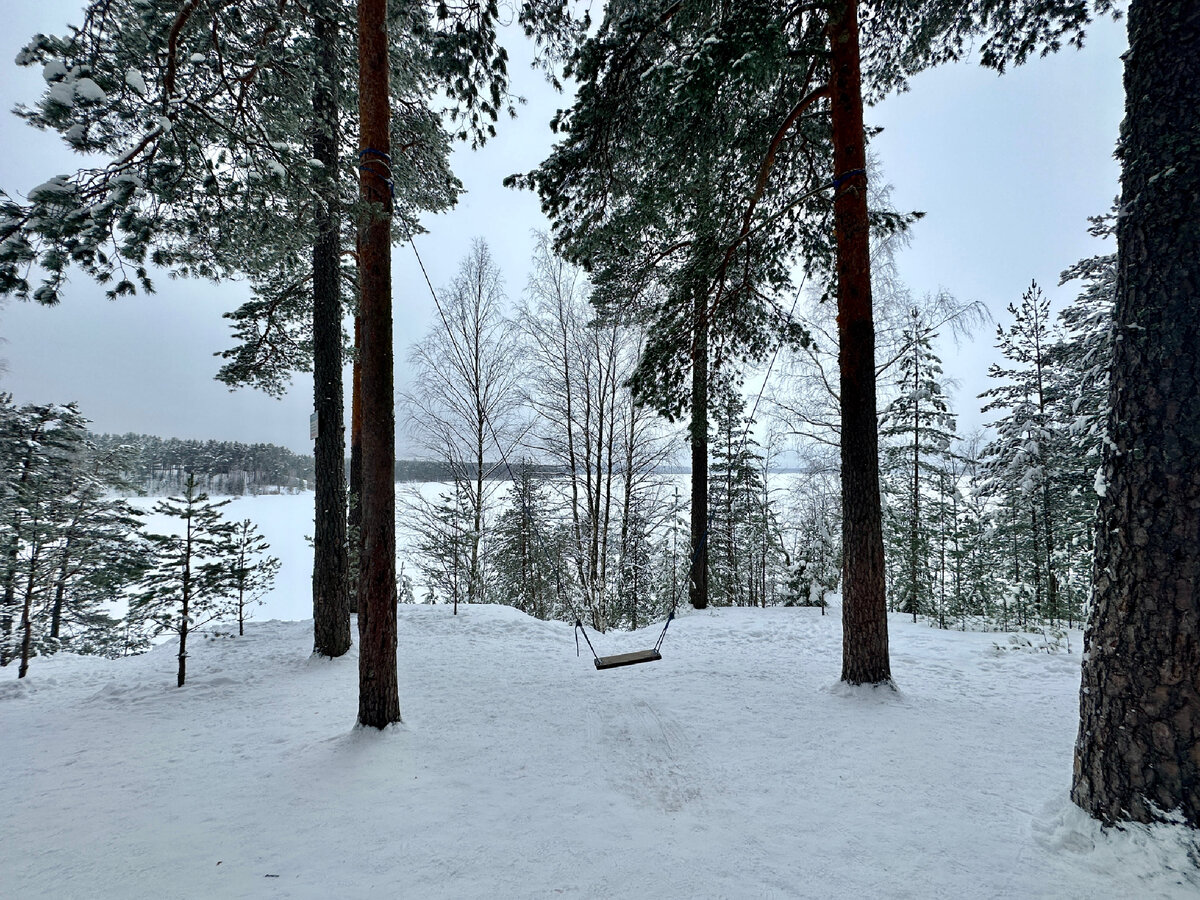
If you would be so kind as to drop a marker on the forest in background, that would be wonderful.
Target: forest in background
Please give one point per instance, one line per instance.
(712, 163)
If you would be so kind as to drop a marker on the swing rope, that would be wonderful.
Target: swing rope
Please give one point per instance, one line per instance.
(655, 653)
(563, 595)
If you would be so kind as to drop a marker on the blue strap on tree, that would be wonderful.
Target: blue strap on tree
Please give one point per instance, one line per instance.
(839, 180)
(386, 176)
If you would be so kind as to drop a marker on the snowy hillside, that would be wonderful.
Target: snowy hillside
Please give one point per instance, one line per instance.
(732, 768)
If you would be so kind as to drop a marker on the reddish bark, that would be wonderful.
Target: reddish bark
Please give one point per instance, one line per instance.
(864, 607)
(378, 693)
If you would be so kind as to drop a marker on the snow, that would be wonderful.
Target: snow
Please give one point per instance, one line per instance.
(136, 82)
(54, 70)
(735, 767)
(86, 89)
(48, 190)
(62, 93)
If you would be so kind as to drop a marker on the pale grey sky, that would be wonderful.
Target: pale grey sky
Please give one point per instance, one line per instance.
(1007, 168)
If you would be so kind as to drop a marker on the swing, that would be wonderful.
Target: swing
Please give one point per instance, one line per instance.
(623, 659)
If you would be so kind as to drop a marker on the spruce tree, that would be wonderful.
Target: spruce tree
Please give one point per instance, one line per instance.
(917, 429)
(527, 553)
(1080, 363)
(743, 533)
(1026, 455)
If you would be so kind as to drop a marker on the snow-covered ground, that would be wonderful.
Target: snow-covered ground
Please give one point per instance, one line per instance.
(735, 767)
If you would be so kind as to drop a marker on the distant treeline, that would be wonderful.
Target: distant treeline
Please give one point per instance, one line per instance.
(435, 470)
(161, 465)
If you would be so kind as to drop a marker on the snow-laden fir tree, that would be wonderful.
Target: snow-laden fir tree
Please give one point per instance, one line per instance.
(1080, 362)
(1024, 459)
(745, 554)
(812, 532)
(917, 430)
(442, 538)
(527, 550)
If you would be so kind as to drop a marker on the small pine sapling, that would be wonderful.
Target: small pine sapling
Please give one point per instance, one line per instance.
(253, 574)
(188, 584)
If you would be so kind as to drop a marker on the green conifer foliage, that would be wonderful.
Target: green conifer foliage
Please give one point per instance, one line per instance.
(190, 582)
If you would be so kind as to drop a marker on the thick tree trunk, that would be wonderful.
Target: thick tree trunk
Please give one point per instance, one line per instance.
(698, 432)
(1138, 752)
(378, 693)
(864, 607)
(331, 601)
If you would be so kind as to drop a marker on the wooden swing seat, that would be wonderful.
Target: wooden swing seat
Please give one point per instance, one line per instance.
(627, 659)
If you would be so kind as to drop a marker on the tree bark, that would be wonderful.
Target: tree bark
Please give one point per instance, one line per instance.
(181, 675)
(27, 607)
(698, 432)
(354, 513)
(1138, 752)
(331, 601)
(378, 693)
(864, 606)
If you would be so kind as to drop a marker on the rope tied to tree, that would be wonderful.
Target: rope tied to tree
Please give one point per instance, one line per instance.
(384, 160)
(839, 180)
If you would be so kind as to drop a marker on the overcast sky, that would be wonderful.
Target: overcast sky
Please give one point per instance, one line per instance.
(1007, 169)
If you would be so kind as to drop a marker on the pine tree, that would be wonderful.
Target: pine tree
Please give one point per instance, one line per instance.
(98, 553)
(253, 574)
(378, 693)
(189, 582)
(1138, 752)
(47, 442)
(663, 101)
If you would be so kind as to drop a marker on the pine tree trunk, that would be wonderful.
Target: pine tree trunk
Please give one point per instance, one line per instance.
(9, 601)
(698, 432)
(27, 609)
(181, 675)
(60, 591)
(331, 601)
(914, 536)
(1138, 751)
(864, 605)
(378, 693)
(354, 511)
